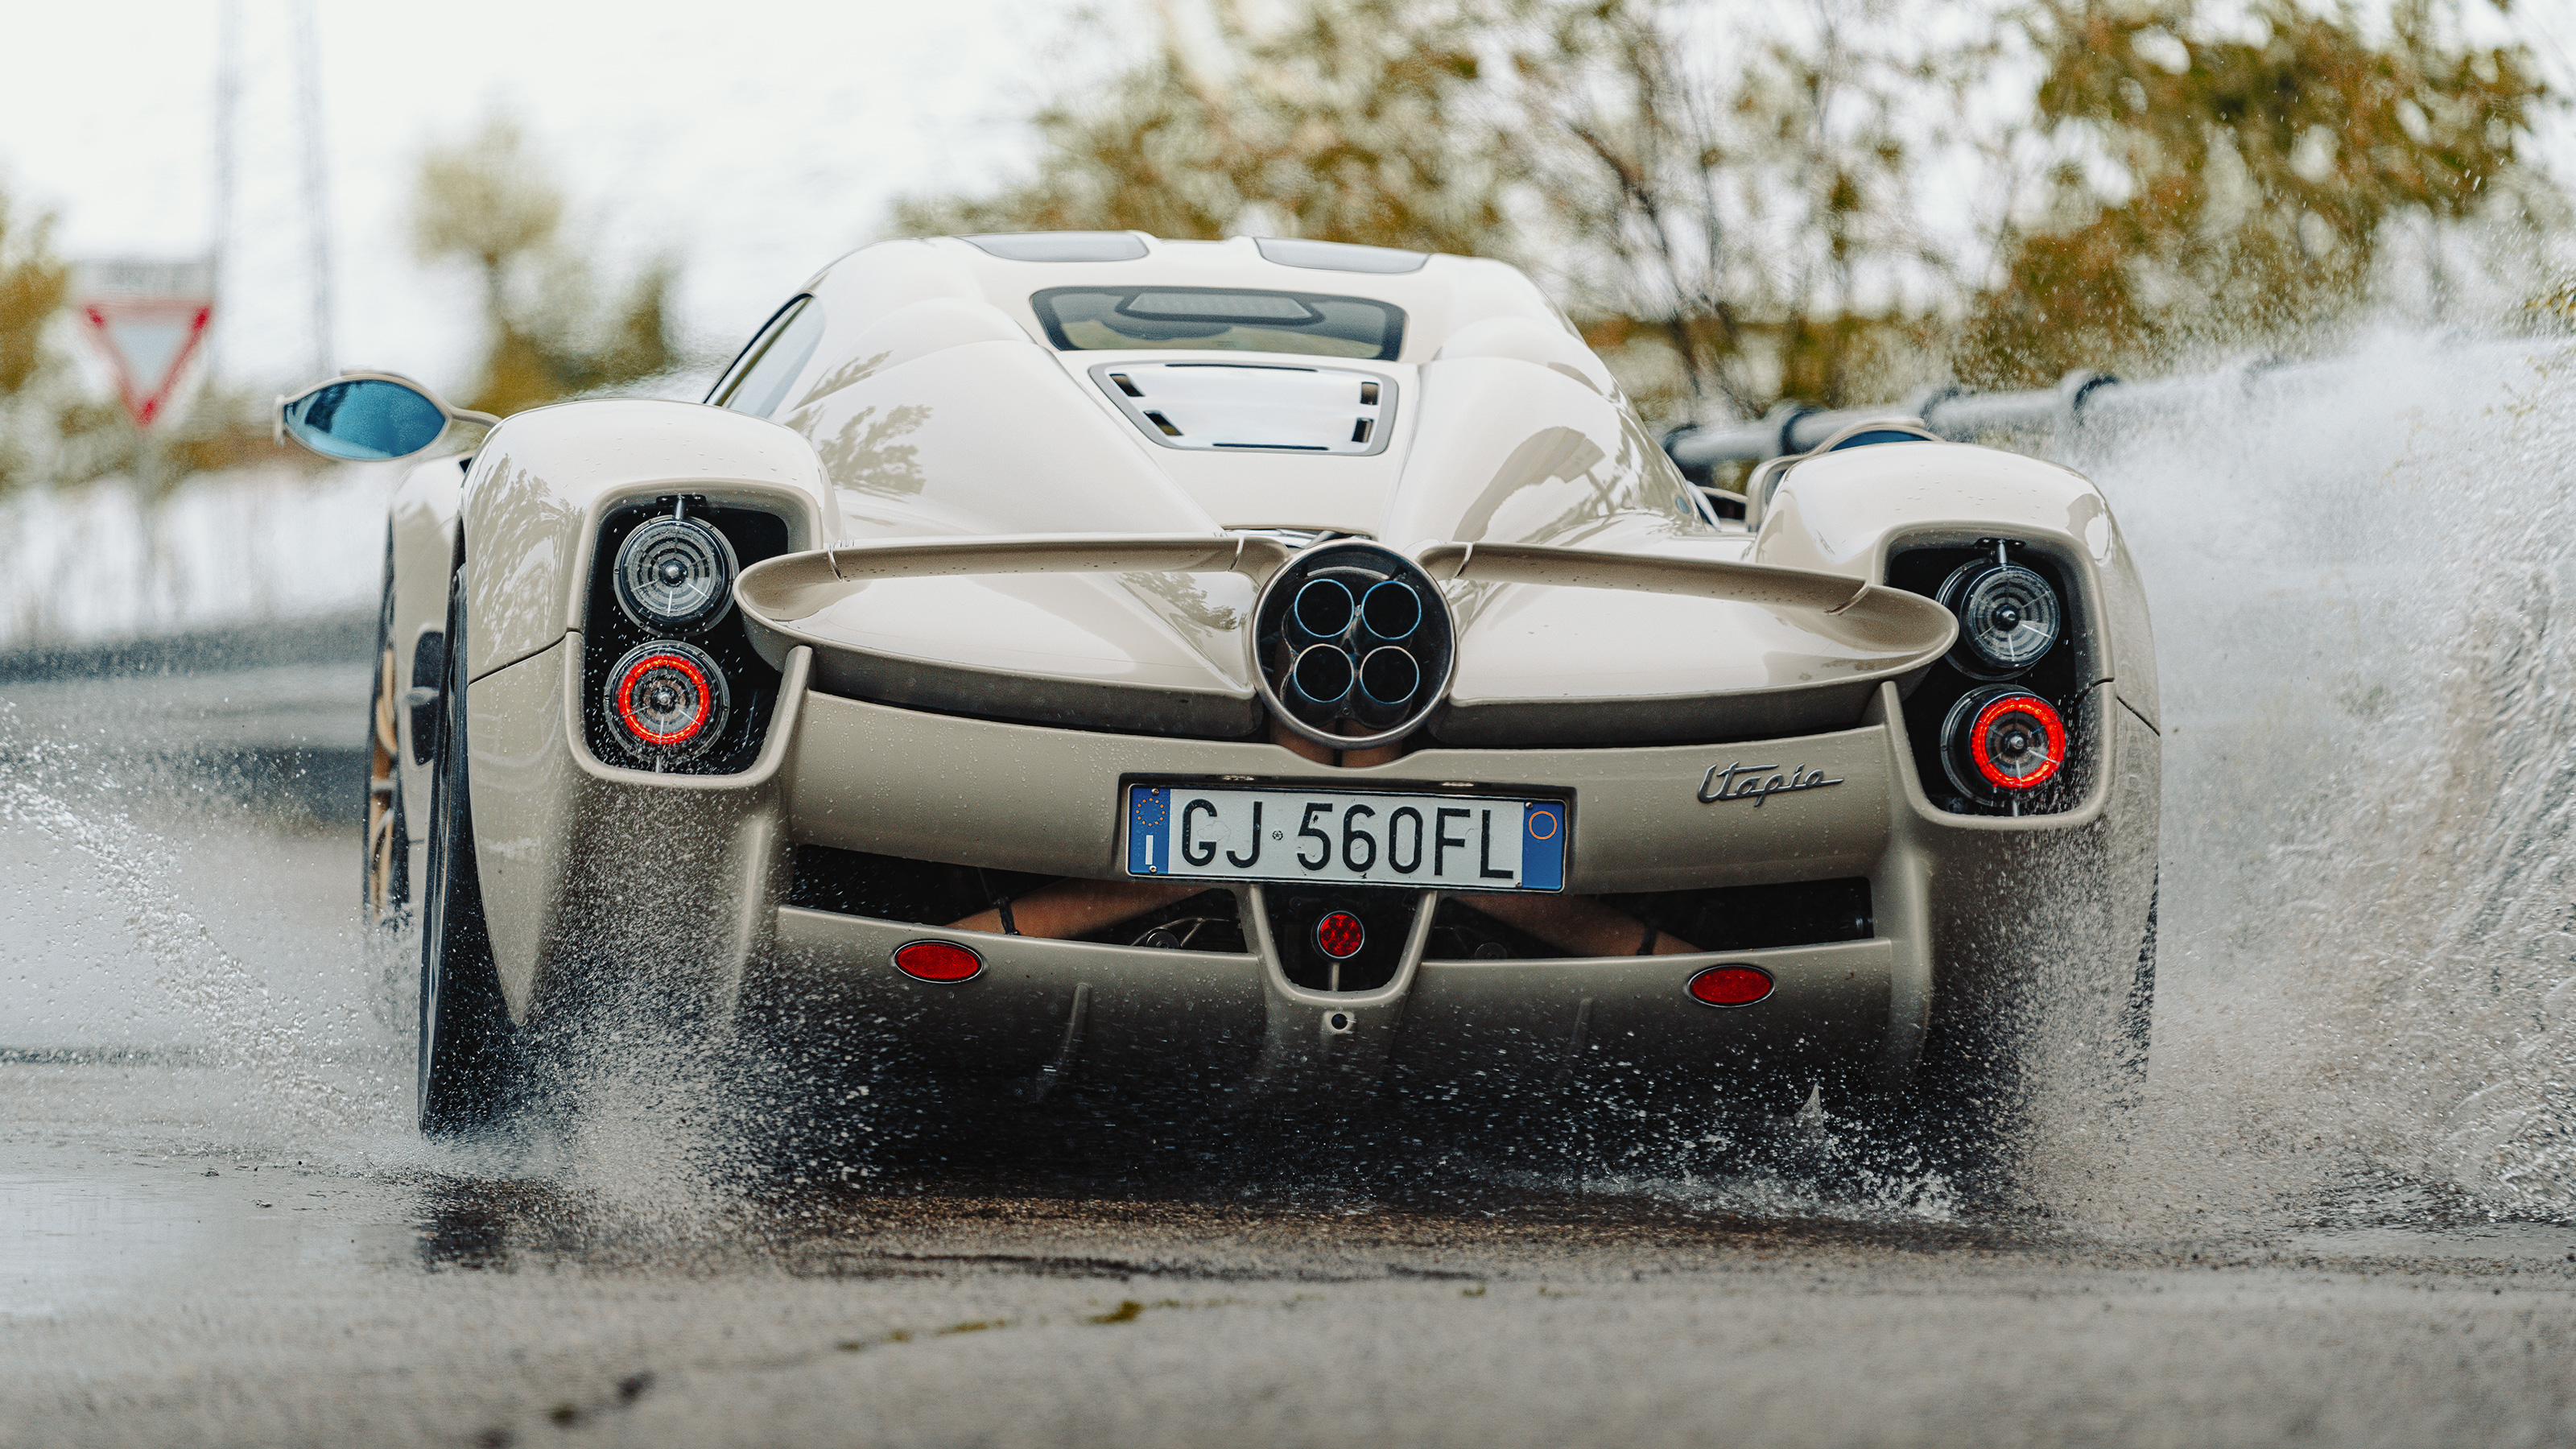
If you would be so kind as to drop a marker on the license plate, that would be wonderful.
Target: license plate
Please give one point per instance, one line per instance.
(1444, 842)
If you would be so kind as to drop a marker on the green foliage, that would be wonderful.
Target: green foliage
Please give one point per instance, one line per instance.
(2240, 185)
(1348, 123)
(49, 431)
(34, 285)
(554, 331)
(1726, 194)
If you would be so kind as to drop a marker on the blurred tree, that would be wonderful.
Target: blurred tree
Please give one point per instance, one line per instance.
(2238, 184)
(1351, 121)
(1725, 237)
(1727, 197)
(34, 285)
(552, 331)
(50, 430)
(2558, 308)
(1745, 199)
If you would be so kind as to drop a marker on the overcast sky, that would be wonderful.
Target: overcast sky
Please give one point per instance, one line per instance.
(755, 139)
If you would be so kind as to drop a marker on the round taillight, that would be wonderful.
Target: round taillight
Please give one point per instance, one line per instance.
(1340, 935)
(1730, 986)
(2000, 743)
(667, 699)
(937, 961)
(2009, 618)
(673, 573)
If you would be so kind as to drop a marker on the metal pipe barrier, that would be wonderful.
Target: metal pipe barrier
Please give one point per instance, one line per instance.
(2083, 402)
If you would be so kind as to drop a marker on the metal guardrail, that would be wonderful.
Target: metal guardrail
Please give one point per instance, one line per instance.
(2082, 403)
(1951, 412)
(327, 638)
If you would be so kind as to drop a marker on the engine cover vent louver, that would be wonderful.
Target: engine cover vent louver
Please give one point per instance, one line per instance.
(1253, 407)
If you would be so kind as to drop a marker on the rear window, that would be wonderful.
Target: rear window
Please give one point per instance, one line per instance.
(761, 377)
(1218, 319)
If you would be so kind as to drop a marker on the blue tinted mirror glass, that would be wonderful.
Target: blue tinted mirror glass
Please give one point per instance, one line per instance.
(364, 421)
(1876, 435)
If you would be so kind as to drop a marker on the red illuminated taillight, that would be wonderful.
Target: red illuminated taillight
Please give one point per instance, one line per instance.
(937, 961)
(1730, 986)
(2002, 742)
(667, 699)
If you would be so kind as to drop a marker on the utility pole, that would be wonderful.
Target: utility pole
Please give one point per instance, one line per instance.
(227, 108)
(317, 189)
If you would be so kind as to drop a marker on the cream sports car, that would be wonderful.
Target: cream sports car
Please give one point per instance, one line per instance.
(1265, 665)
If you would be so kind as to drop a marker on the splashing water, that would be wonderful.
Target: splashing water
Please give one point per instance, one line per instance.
(2362, 597)
(2364, 588)
(268, 1040)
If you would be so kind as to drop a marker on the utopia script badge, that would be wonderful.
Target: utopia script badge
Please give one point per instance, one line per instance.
(1758, 783)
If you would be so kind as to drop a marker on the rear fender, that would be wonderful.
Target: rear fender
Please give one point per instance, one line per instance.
(420, 526)
(1843, 512)
(544, 480)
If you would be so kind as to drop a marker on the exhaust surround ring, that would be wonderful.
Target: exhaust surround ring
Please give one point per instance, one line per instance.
(1341, 627)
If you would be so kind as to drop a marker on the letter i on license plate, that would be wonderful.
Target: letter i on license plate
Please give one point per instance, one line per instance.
(1447, 842)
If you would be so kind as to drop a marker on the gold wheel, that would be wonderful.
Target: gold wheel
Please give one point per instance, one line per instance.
(384, 821)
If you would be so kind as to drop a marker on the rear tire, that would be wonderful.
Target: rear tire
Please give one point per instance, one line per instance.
(1972, 1090)
(467, 1046)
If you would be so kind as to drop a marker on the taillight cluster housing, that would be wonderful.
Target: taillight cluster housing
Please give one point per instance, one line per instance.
(671, 680)
(1997, 725)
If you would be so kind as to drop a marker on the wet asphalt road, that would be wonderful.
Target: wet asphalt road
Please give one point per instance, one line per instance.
(160, 1287)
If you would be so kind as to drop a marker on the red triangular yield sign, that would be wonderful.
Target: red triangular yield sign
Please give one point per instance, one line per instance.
(149, 339)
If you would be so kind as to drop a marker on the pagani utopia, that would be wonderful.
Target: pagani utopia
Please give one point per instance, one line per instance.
(1277, 669)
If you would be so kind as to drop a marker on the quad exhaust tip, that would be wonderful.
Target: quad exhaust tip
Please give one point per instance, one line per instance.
(1323, 609)
(1323, 673)
(1391, 610)
(1353, 644)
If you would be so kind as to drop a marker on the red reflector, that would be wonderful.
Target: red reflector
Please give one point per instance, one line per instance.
(1730, 986)
(937, 961)
(1340, 935)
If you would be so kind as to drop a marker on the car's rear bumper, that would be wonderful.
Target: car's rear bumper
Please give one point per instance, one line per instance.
(1048, 1009)
(686, 877)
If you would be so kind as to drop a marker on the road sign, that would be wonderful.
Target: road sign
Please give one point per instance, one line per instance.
(148, 318)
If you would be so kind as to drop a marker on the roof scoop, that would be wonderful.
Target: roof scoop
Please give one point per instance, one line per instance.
(1252, 407)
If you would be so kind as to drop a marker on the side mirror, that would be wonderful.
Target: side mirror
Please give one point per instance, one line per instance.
(368, 417)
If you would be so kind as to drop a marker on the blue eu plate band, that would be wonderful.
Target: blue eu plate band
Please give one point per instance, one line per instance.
(1149, 830)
